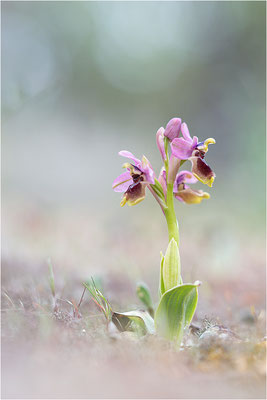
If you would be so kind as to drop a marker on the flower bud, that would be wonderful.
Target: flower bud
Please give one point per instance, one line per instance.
(173, 128)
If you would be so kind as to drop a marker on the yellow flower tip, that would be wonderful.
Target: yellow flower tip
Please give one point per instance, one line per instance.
(207, 143)
(123, 201)
(205, 195)
(210, 182)
(206, 181)
(210, 141)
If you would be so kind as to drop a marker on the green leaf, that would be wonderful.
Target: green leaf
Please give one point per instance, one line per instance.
(171, 266)
(158, 190)
(144, 295)
(176, 310)
(138, 321)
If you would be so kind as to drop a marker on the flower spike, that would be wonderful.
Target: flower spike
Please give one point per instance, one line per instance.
(178, 300)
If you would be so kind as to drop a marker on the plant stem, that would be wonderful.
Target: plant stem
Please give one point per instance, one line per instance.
(169, 212)
(170, 215)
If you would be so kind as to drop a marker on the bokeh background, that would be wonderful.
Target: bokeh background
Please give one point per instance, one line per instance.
(83, 80)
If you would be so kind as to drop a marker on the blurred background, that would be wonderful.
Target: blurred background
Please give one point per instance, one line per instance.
(84, 80)
(81, 81)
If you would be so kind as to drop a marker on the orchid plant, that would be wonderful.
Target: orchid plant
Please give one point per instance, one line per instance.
(177, 301)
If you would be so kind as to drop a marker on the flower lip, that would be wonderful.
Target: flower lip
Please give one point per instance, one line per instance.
(201, 170)
(134, 194)
(190, 196)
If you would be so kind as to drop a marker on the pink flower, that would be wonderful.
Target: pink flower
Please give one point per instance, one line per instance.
(184, 193)
(133, 182)
(185, 148)
(171, 132)
(181, 190)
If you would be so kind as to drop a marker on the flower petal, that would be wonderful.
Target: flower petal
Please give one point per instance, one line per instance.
(160, 143)
(202, 171)
(173, 128)
(122, 182)
(185, 177)
(128, 154)
(162, 180)
(148, 170)
(185, 132)
(182, 148)
(190, 196)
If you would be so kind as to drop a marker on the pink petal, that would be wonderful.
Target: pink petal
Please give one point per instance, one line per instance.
(173, 128)
(194, 142)
(147, 170)
(182, 148)
(128, 154)
(160, 143)
(185, 177)
(185, 132)
(162, 180)
(122, 183)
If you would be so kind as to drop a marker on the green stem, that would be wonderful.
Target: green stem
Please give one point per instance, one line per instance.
(170, 215)
(169, 212)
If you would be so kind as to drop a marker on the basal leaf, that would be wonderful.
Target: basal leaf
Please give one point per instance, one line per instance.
(137, 320)
(176, 310)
